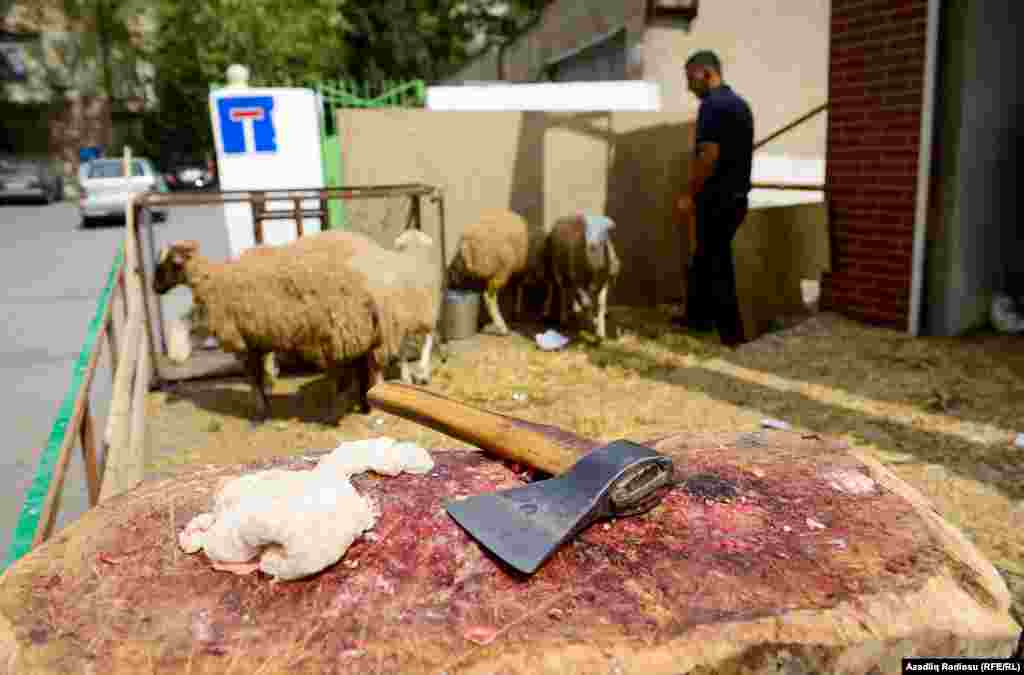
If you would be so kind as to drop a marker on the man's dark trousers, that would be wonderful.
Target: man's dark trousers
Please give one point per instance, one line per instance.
(711, 285)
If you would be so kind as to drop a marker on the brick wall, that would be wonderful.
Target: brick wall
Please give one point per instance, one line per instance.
(876, 62)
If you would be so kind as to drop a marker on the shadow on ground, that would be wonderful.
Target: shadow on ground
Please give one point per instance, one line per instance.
(997, 464)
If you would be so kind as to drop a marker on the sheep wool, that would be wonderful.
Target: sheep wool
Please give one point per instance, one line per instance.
(406, 285)
(339, 244)
(495, 249)
(583, 263)
(298, 522)
(303, 303)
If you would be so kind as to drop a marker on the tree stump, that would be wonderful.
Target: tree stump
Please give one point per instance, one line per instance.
(778, 553)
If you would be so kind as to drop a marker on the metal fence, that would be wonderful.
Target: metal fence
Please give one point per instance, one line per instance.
(338, 94)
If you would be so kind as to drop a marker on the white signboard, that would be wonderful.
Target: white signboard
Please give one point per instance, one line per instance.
(266, 139)
(631, 95)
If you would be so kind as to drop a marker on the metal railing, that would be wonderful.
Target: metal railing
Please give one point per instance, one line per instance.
(779, 132)
(119, 466)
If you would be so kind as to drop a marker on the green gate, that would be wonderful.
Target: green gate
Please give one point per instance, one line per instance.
(349, 94)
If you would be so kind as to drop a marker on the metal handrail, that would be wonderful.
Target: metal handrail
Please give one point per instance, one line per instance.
(792, 125)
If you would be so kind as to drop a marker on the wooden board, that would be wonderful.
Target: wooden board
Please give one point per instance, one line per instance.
(202, 363)
(778, 552)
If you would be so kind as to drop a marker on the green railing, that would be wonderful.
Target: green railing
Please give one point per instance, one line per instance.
(74, 423)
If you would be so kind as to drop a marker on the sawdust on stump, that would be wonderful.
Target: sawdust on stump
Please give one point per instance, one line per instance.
(940, 412)
(800, 552)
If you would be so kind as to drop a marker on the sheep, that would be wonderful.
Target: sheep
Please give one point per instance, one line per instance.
(495, 249)
(344, 244)
(305, 303)
(581, 259)
(407, 283)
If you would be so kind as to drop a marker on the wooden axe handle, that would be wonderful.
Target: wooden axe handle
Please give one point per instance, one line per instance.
(539, 446)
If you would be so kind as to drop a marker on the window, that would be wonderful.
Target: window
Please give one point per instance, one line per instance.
(114, 168)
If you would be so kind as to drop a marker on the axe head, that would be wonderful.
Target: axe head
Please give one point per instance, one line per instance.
(524, 526)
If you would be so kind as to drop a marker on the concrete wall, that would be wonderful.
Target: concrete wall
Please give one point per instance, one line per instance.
(978, 247)
(774, 53)
(877, 52)
(546, 165)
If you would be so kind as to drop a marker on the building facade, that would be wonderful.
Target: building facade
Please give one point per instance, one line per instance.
(59, 81)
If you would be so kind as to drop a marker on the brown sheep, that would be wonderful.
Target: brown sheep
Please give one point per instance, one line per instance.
(305, 303)
(582, 261)
(497, 248)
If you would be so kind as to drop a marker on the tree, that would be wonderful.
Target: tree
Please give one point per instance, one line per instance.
(293, 42)
(89, 45)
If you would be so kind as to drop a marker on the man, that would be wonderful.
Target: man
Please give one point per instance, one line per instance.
(717, 197)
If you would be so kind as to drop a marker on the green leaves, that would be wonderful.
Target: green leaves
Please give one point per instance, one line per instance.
(296, 42)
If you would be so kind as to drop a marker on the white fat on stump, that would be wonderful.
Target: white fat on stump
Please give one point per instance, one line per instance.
(297, 523)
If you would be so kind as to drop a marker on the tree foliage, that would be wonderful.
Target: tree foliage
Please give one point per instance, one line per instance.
(292, 42)
(93, 46)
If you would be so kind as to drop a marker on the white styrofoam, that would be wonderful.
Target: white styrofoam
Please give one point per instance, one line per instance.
(633, 95)
(278, 150)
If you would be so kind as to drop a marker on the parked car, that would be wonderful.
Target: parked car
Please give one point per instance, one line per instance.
(30, 178)
(105, 188)
(191, 174)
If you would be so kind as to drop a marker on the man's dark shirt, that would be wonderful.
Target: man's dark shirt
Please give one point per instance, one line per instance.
(725, 118)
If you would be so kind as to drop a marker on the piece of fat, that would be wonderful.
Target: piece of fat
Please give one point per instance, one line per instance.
(298, 522)
(382, 455)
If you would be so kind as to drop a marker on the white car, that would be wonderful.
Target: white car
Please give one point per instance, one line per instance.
(105, 188)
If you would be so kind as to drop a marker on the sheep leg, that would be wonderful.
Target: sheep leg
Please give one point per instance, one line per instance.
(270, 368)
(403, 367)
(602, 311)
(563, 300)
(491, 301)
(548, 299)
(254, 366)
(519, 300)
(422, 376)
(369, 375)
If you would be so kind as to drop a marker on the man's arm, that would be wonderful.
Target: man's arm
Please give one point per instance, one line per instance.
(702, 166)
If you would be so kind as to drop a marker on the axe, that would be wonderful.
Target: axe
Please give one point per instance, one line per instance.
(524, 526)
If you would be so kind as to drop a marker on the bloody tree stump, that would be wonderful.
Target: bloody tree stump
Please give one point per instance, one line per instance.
(778, 553)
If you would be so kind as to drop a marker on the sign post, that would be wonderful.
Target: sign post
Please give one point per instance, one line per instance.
(266, 138)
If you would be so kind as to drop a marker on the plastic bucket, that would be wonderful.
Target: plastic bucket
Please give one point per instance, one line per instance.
(460, 314)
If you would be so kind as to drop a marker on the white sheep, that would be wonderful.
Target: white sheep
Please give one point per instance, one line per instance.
(407, 283)
(305, 303)
(582, 261)
(499, 247)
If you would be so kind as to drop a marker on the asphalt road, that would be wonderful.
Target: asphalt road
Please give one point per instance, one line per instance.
(52, 273)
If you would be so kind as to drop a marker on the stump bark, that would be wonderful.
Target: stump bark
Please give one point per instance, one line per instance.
(778, 553)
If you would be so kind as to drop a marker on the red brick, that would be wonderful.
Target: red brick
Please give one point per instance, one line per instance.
(886, 271)
(901, 98)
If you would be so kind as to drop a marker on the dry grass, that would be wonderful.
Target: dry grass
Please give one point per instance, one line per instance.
(941, 412)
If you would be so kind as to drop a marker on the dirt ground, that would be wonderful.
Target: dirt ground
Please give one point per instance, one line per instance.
(942, 413)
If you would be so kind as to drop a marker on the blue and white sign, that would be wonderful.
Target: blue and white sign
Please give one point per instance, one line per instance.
(246, 124)
(266, 139)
